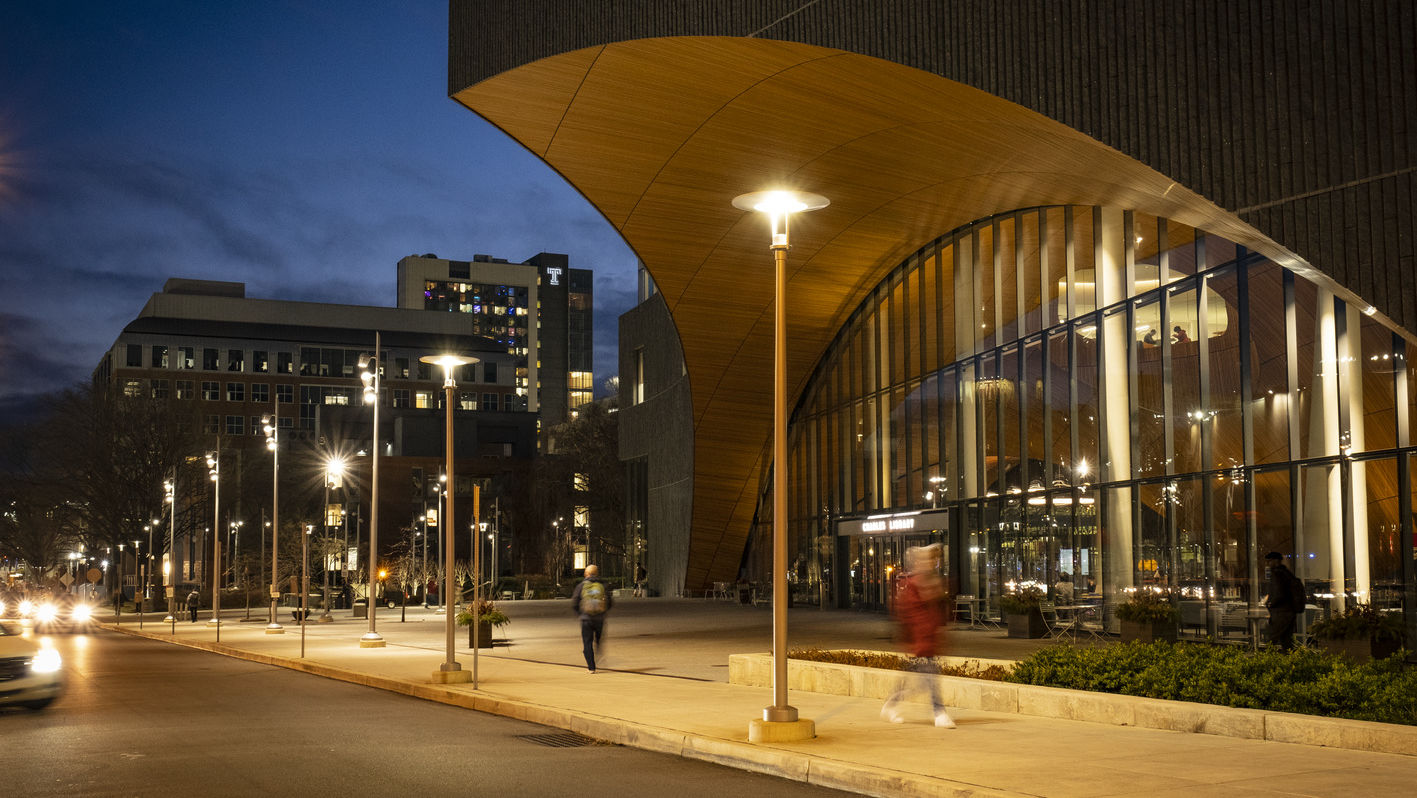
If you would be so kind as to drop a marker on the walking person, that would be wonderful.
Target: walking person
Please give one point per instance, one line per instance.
(590, 601)
(193, 601)
(1284, 600)
(920, 612)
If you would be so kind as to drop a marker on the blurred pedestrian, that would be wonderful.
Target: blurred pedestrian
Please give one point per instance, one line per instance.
(591, 601)
(194, 600)
(920, 612)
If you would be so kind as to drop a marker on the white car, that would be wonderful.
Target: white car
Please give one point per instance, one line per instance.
(31, 675)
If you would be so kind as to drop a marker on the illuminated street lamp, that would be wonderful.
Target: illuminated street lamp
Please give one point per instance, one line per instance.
(169, 491)
(214, 472)
(334, 478)
(372, 379)
(779, 206)
(450, 671)
(271, 426)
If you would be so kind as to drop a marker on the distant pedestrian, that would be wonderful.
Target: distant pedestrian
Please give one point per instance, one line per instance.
(641, 577)
(193, 601)
(920, 611)
(591, 601)
(1285, 599)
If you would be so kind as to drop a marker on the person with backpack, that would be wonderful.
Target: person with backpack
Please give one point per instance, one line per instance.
(1285, 599)
(590, 601)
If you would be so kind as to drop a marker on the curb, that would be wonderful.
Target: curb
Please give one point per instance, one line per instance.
(737, 754)
(755, 670)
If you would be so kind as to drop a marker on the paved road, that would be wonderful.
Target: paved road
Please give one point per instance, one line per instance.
(145, 718)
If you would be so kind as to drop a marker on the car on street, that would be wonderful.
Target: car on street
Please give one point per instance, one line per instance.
(31, 673)
(45, 613)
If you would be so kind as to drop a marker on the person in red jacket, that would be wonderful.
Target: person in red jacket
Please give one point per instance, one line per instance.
(920, 612)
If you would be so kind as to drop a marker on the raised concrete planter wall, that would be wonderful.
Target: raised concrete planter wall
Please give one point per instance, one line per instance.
(1054, 702)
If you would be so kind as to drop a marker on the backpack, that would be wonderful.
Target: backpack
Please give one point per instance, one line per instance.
(592, 598)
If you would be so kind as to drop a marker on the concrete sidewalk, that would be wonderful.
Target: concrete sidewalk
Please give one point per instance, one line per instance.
(663, 688)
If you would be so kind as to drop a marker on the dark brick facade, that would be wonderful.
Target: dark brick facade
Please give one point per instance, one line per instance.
(1301, 117)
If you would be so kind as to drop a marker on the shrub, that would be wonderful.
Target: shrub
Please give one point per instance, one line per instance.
(1362, 622)
(1147, 607)
(1305, 681)
(885, 661)
(1021, 601)
(487, 611)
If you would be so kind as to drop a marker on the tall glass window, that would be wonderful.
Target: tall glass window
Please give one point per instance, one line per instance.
(1095, 399)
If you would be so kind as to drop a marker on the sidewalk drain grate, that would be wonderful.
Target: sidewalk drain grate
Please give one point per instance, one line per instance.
(561, 740)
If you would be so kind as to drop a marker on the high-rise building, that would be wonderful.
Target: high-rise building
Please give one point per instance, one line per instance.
(539, 311)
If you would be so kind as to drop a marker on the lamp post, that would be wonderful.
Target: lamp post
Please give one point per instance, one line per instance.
(450, 671)
(372, 379)
(169, 490)
(779, 721)
(271, 426)
(214, 472)
(334, 473)
(423, 570)
(138, 586)
(118, 597)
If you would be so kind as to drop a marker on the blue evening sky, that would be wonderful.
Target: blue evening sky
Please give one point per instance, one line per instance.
(301, 147)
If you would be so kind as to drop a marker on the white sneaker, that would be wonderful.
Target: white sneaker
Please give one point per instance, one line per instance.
(891, 714)
(944, 721)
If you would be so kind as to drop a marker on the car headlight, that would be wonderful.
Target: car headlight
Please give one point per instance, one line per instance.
(81, 613)
(46, 613)
(26, 607)
(46, 661)
(2, 609)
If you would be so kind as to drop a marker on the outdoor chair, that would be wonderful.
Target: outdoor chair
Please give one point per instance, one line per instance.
(1057, 627)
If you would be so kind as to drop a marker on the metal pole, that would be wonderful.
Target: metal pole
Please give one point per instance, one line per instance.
(447, 523)
(372, 639)
(476, 577)
(274, 627)
(304, 584)
(216, 540)
(138, 591)
(325, 549)
(780, 711)
(171, 576)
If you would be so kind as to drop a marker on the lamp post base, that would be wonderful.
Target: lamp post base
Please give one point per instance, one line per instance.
(371, 640)
(766, 731)
(169, 618)
(213, 622)
(325, 619)
(275, 629)
(451, 676)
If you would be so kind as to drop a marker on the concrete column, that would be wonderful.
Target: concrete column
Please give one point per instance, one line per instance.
(1115, 383)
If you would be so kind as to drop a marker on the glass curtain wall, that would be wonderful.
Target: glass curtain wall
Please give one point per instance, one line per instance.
(1107, 399)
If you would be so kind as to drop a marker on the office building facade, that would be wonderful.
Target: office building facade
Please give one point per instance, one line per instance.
(225, 361)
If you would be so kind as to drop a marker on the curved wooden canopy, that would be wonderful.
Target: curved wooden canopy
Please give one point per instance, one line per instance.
(661, 134)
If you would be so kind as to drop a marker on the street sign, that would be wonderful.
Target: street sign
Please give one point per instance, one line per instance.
(66, 580)
(94, 575)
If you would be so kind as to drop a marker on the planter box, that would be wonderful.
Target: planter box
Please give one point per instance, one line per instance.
(484, 635)
(1028, 626)
(1148, 632)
